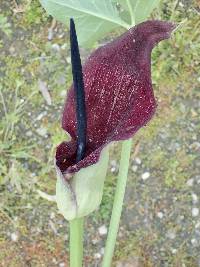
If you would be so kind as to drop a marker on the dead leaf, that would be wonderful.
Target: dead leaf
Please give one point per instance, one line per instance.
(45, 92)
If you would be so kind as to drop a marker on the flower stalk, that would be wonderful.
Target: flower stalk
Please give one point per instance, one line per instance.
(118, 203)
(76, 242)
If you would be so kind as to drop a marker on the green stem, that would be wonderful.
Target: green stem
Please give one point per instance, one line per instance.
(76, 242)
(118, 203)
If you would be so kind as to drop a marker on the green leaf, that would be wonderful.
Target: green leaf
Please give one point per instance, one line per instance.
(82, 193)
(139, 10)
(93, 18)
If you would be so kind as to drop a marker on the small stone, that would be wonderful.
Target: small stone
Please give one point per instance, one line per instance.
(134, 168)
(145, 176)
(102, 251)
(14, 237)
(97, 256)
(54, 260)
(68, 59)
(138, 160)
(160, 215)
(114, 167)
(197, 225)
(195, 145)
(194, 198)
(102, 230)
(56, 47)
(95, 241)
(66, 237)
(42, 131)
(195, 212)
(190, 182)
(29, 133)
(174, 250)
(64, 46)
(194, 242)
(63, 93)
(52, 215)
(40, 116)
(50, 34)
(62, 264)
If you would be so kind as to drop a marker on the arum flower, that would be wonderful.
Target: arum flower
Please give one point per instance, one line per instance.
(118, 101)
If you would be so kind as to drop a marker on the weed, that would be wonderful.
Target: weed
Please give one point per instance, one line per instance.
(5, 26)
(34, 14)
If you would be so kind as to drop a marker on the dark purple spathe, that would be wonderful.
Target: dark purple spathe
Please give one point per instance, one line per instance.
(118, 93)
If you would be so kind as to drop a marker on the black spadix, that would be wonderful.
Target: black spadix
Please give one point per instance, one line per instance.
(79, 93)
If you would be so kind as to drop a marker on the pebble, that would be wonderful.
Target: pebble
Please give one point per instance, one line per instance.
(97, 255)
(114, 167)
(56, 47)
(194, 198)
(62, 264)
(194, 242)
(102, 250)
(195, 212)
(134, 168)
(54, 260)
(64, 46)
(160, 215)
(190, 182)
(197, 225)
(68, 59)
(145, 176)
(50, 34)
(174, 250)
(138, 160)
(42, 131)
(41, 115)
(102, 230)
(95, 241)
(195, 145)
(52, 215)
(14, 237)
(29, 133)
(63, 93)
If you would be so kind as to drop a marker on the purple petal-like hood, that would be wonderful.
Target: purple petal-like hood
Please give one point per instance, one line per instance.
(118, 93)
